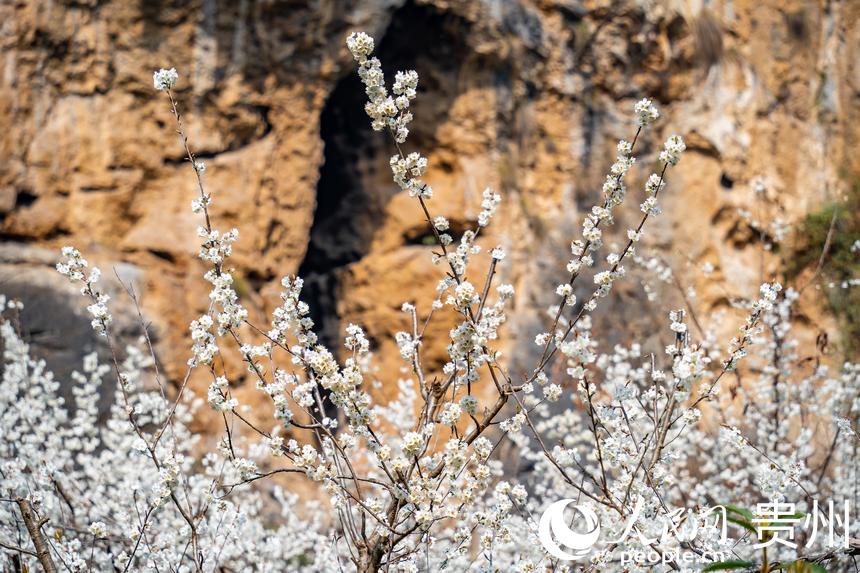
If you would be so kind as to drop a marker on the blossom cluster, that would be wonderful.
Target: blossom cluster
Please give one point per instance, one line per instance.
(646, 112)
(165, 79)
(74, 267)
(385, 111)
(407, 171)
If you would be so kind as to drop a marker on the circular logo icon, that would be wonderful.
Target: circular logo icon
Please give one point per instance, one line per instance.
(576, 545)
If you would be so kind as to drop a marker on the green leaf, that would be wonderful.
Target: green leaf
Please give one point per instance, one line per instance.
(740, 511)
(727, 565)
(743, 523)
(801, 566)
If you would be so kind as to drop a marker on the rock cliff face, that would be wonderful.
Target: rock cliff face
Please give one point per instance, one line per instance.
(528, 97)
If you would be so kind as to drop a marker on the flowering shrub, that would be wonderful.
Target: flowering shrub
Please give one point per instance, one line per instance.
(417, 484)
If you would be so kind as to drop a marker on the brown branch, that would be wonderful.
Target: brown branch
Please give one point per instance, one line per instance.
(16, 549)
(34, 528)
(824, 250)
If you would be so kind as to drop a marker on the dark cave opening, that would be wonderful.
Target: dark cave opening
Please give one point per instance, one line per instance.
(355, 183)
(339, 234)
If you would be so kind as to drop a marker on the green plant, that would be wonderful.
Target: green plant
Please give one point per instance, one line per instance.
(841, 264)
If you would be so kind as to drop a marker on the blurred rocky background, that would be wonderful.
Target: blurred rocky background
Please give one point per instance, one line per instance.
(526, 96)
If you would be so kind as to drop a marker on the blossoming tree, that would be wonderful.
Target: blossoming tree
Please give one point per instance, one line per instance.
(416, 484)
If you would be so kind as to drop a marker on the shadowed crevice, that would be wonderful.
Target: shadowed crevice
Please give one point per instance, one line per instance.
(355, 182)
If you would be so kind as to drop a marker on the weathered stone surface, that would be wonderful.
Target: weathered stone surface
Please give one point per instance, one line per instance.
(54, 320)
(526, 96)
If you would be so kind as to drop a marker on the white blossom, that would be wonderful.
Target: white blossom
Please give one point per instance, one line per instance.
(165, 79)
(646, 112)
(413, 442)
(672, 150)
